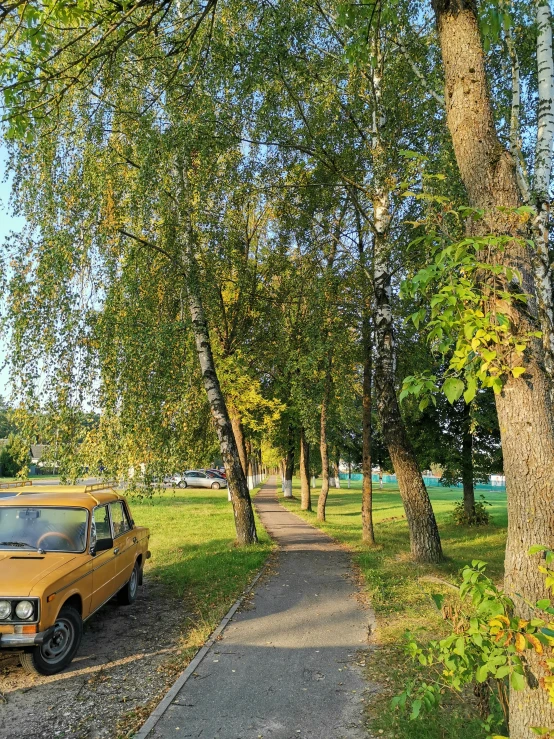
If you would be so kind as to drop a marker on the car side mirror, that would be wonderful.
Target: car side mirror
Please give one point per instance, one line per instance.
(101, 545)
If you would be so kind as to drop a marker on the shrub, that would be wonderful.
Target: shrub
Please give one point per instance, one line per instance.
(481, 517)
(485, 650)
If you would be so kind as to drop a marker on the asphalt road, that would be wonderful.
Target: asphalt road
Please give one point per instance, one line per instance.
(288, 665)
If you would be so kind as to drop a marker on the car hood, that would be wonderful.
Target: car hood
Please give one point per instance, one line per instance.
(20, 571)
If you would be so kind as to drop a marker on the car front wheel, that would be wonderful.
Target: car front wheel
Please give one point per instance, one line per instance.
(182, 484)
(58, 650)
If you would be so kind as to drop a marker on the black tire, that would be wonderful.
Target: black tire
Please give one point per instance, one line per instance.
(128, 593)
(58, 650)
(215, 486)
(182, 484)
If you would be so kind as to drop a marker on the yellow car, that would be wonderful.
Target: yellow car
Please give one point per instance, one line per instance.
(64, 552)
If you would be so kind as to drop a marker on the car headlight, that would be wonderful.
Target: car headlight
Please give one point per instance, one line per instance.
(24, 610)
(5, 609)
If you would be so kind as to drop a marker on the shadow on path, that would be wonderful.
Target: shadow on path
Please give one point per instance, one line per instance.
(288, 665)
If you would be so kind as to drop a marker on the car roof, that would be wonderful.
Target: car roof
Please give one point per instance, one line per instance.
(73, 496)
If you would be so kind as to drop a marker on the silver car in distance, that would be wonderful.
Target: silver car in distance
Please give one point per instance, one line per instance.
(199, 479)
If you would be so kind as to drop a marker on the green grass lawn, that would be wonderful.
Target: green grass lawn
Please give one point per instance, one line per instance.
(30, 477)
(195, 558)
(399, 595)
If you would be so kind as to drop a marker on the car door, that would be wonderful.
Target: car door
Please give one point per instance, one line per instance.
(103, 563)
(191, 478)
(203, 480)
(125, 543)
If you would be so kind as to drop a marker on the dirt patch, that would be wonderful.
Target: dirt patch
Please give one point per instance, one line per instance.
(128, 656)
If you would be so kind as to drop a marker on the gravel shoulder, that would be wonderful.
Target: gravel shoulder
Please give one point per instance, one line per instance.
(128, 657)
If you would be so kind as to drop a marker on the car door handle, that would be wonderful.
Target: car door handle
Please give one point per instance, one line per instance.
(135, 539)
(116, 551)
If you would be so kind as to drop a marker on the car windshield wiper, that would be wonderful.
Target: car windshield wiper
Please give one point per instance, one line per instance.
(18, 544)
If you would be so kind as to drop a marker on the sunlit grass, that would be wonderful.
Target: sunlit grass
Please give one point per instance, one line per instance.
(400, 593)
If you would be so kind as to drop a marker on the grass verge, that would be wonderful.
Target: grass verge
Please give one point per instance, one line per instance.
(194, 553)
(400, 593)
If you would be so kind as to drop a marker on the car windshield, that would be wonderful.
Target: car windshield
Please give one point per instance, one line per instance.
(43, 527)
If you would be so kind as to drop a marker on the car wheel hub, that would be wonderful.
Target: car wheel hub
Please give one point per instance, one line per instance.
(133, 583)
(59, 643)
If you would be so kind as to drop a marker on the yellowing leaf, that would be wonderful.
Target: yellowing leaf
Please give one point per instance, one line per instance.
(535, 643)
(520, 643)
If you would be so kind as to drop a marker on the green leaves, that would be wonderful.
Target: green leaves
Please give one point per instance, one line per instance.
(416, 709)
(453, 389)
(517, 680)
(466, 312)
(486, 640)
(536, 548)
(471, 389)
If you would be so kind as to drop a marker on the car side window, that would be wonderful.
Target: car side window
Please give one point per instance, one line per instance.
(202, 474)
(100, 526)
(120, 520)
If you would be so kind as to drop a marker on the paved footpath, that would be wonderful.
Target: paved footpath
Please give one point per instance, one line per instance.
(286, 667)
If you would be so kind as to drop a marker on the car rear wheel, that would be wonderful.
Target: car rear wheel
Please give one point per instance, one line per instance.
(59, 648)
(128, 593)
(215, 486)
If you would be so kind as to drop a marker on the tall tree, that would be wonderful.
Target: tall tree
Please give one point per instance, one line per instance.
(524, 407)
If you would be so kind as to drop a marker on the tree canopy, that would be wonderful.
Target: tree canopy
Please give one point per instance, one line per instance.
(288, 232)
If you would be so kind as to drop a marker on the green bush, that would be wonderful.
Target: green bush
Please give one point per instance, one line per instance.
(481, 517)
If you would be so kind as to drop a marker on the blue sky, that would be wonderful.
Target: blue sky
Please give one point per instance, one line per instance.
(8, 223)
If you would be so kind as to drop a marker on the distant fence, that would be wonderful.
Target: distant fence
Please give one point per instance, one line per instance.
(496, 483)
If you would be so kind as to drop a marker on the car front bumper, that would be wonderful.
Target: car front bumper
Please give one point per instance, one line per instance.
(18, 641)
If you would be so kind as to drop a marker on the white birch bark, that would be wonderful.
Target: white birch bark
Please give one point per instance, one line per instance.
(419, 74)
(515, 130)
(543, 172)
(545, 70)
(240, 497)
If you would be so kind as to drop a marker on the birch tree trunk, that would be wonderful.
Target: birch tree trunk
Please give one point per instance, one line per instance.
(467, 465)
(524, 409)
(368, 534)
(249, 466)
(236, 480)
(543, 172)
(238, 432)
(425, 541)
(289, 464)
(306, 496)
(324, 492)
(336, 471)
